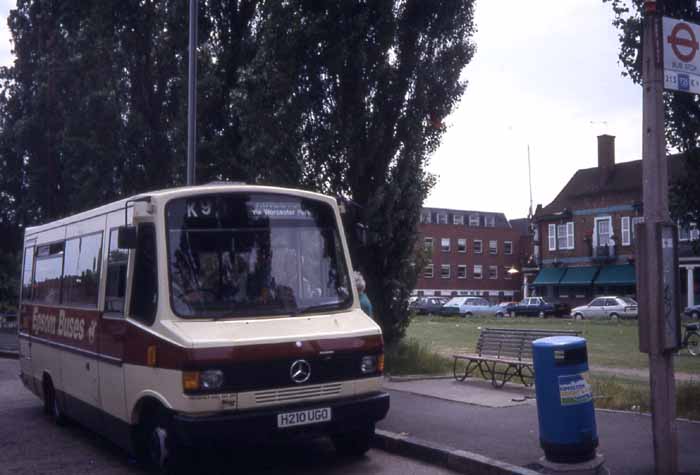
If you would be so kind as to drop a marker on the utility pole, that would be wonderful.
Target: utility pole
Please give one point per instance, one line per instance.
(656, 251)
(192, 97)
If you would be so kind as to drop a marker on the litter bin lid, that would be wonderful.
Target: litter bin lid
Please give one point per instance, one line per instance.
(559, 342)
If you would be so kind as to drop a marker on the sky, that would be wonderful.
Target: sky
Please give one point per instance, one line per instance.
(545, 75)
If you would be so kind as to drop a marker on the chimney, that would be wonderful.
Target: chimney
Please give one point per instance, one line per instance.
(606, 157)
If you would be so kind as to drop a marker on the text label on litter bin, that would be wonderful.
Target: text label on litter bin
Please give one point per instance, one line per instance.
(574, 389)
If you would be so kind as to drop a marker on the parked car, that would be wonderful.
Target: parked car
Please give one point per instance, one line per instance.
(539, 307)
(611, 307)
(469, 306)
(426, 305)
(504, 308)
(693, 311)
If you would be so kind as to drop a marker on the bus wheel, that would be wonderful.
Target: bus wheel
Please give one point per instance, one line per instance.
(354, 443)
(52, 406)
(157, 447)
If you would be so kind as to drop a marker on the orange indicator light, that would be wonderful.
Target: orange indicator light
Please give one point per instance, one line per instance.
(151, 355)
(190, 380)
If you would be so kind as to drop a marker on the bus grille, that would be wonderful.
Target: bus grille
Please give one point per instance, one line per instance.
(297, 394)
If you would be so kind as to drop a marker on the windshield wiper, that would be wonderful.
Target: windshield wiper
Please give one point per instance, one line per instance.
(315, 308)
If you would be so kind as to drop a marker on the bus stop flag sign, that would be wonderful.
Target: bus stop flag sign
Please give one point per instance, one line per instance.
(681, 42)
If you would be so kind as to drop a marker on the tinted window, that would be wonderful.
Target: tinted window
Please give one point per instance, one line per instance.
(144, 296)
(47, 274)
(81, 271)
(597, 303)
(116, 275)
(27, 271)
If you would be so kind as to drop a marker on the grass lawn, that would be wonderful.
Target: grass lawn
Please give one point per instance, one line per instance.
(612, 344)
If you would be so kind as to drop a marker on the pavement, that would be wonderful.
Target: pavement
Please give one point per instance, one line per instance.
(502, 424)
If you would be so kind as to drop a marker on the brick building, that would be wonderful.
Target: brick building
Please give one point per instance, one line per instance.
(470, 253)
(585, 239)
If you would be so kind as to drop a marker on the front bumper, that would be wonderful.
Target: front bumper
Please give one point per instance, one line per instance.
(261, 425)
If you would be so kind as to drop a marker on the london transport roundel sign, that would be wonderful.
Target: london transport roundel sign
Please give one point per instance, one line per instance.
(681, 42)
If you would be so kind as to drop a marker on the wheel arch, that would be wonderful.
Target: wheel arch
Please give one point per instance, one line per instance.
(145, 402)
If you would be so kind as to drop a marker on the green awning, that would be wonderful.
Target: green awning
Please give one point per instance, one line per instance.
(579, 276)
(549, 276)
(616, 275)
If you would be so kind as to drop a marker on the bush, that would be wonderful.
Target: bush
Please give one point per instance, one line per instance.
(410, 357)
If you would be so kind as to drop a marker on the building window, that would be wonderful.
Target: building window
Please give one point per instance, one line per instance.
(688, 232)
(635, 222)
(428, 244)
(552, 237)
(458, 219)
(490, 221)
(478, 270)
(461, 272)
(493, 272)
(508, 248)
(493, 248)
(426, 218)
(428, 271)
(565, 235)
(445, 244)
(445, 271)
(625, 227)
(603, 231)
(507, 275)
(442, 218)
(477, 246)
(474, 220)
(461, 245)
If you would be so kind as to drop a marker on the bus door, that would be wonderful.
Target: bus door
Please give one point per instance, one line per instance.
(112, 336)
(24, 314)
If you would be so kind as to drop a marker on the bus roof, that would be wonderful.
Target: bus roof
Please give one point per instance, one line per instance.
(168, 193)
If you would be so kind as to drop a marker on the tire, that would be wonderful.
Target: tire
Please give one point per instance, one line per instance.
(500, 315)
(614, 317)
(52, 406)
(468, 315)
(511, 314)
(158, 450)
(541, 314)
(693, 343)
(355, 443)
(695, 315)
(578, 316)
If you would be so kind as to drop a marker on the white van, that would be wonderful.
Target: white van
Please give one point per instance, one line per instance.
(201, 315)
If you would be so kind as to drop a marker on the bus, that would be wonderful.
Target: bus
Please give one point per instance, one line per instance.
(201, 315)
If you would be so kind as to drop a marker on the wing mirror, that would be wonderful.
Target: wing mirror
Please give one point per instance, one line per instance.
(126, 237)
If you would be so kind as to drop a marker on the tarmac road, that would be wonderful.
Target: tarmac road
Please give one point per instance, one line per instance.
(31, 444)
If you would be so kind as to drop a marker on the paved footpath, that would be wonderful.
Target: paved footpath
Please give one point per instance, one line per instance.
(510, 432)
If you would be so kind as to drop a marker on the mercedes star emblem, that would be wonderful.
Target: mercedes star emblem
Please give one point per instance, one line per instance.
(300, 371)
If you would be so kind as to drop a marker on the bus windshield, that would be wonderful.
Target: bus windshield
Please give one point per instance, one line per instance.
(248, 254)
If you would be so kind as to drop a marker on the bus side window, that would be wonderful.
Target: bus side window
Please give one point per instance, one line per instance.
(116, 276)
(144, 294)
(27, 274)
(48, 273)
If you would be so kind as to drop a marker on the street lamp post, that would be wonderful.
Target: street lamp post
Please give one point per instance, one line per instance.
(192, 97)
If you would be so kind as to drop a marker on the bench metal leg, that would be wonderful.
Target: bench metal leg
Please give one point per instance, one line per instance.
(529, 378)
(468, 369)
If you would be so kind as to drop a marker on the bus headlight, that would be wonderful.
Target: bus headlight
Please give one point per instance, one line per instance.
(208, 380)
(212, 379)
(369, 364)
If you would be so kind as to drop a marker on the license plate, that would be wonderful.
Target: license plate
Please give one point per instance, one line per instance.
(300, 418)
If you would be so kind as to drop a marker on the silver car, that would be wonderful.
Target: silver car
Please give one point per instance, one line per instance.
(607, 307)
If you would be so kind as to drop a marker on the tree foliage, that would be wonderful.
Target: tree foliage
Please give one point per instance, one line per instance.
(345, 98)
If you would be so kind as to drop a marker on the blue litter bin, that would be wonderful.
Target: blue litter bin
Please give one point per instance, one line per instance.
(564, 400)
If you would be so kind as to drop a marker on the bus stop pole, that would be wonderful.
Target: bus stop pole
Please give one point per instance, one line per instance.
(192, 96)
(656, 213)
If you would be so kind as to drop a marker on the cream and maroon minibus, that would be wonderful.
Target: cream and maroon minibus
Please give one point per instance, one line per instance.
(201, 315)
